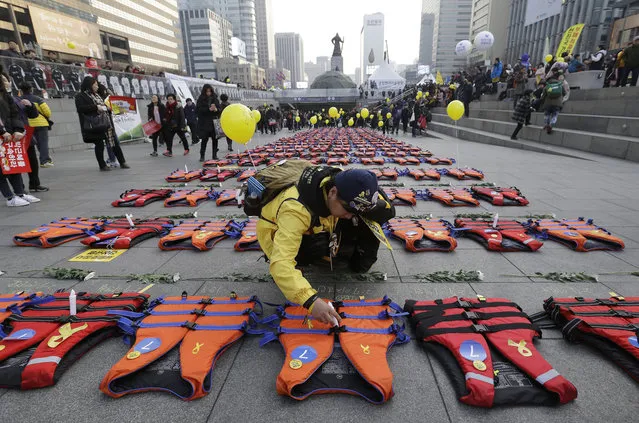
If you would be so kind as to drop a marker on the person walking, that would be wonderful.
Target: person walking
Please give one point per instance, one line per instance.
(40, 124)
(175, 124)
(405, 117)
(206, 109)
(522, 112)
(631, 57)
(520, 80)
(552, 100)
(11, 127)
(156, 111)
(271, 119)
(191, 120)
(223, 104)
(95, 124)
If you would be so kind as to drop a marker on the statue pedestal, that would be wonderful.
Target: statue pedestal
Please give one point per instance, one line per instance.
(337, 62)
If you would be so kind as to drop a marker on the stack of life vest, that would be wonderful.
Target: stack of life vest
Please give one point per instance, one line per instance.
(119, 234)
(579, 234)
(486, 345)
(610, 325)
(193, 331)
(141, 197)
(59, 232)
(502, 236)
(349, 359)
(421, 234)
(45, 336)
(196, 235)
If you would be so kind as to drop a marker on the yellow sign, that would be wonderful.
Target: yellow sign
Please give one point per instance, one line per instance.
(59, 32)
(65, 332)
(438, 79)
(521, 347)
(569, 40)
(98, 255)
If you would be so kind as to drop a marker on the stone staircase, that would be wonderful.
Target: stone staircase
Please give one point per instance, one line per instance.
(601, 121)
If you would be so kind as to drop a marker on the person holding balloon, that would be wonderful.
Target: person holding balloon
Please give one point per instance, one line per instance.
(206, 108)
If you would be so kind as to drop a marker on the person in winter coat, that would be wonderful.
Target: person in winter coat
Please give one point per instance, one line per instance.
(207, 109)
(406, 112)
(223, 104)
(11, 127)
(597, 59)
(552, 101)
(521, 79)
(495, 74)
(465, 94)
(26, 111)
(271, 119)
(191, 120)
(156, 111)
(90, 107)
(397, 117)
(40, 124)
(631, 58)
(175, 124)
(522, 113)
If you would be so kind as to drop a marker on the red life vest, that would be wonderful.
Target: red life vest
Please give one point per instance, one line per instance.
(141, 197)
(486, 344)
(216, 163)
(440, 161)
(59, 232)
(454, 197)
(420, 174)
(507, 236)
(349, 359)
(219, 175)
(610, 325)
(45, 340)
(119, 234)
(183, 176)
(193, 331)
(15, 303)
(246, 174)
(190, 198)
(466, 173)
(499, 196)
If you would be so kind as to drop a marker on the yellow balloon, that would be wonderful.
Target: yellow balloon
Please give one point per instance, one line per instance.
(297, 119)
(332, 112)
(358, 116)
(238, 123)
(313, 120)
(322, 110)
(71, 45)
(561, 60)
(351, 122)
(426, 93)
(548, 58)
(388, 115)
(380, 123)
(419, 94)
(372, 117)
(256, 115)
(455, 109)
(326, 121)
(364, 112)
(387, 100)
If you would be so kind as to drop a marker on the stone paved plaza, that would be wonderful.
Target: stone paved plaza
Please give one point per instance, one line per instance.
(244, 379)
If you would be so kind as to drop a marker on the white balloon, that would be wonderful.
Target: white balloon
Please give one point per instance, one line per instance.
(484, 40)
(463, 48)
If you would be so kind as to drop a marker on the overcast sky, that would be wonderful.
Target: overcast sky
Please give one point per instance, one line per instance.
(318, 21)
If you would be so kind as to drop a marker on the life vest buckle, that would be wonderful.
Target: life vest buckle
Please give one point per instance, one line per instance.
(480, 328)
(622, 313)
(198, 312)
(604, 301)
(470, 315)
(189, 325)
(463, 304)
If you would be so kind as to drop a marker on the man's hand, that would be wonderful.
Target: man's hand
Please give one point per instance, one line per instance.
(324, 313)
(213, 108)
(6, 137)
(18, 136)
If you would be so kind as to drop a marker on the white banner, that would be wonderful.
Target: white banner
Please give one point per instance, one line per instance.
(538, 10)
(182, 90)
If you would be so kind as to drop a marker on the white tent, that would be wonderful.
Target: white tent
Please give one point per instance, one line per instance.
(385, 78)
(427, 78)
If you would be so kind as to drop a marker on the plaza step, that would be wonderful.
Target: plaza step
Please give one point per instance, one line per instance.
(491, 131)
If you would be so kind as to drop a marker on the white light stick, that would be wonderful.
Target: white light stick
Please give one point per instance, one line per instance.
(495, 220)
(72, 304)
(128, 218)
(186, 169)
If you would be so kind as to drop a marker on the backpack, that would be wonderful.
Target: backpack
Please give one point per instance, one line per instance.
(555, 89)
(269, 182)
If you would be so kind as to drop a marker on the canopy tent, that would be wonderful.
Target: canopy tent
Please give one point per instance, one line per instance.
(385, 78)
(426, 79)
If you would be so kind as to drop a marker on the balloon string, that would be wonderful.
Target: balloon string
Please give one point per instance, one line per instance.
(250, 157)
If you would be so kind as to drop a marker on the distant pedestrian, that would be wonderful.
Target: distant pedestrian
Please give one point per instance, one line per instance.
(176, 124)
(207, 109)
(495, 74)
(522, 112)
(191, 120)
(156, 112)
(40, 124)
(552, 100)
(225, 102)
(597, 59)
(631, 57)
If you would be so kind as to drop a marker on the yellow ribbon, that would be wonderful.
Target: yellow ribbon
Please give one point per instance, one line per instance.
(197, 347)
(521, 347)
(65, 332)
(365, 349)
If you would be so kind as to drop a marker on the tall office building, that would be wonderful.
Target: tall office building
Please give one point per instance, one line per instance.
(451, 25)
(289, 54)
(241, 14)
(489, 16)
(532, 21)
(426, 39)
(265, 35)
(131, 31)
(371, 45)
(206, 37)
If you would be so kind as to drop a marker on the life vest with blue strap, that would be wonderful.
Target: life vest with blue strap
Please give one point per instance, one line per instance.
(58, 232)
(610, 325)
(44, 339)
(198, 235)
(14, 304)
(118, 234)
(177, 342)
(349, 359)
(486, 346)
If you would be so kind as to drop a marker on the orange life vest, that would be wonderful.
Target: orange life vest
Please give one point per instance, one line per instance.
(455, 197)
(422, 235)
(59, 232)
(401, 196)
(183, 176)
(193, 331)
(420, 174)
(579, 234)
(348, 359)
(195, 235)
(507, 236)
(190, 198)
(248, 237)
(500, 196)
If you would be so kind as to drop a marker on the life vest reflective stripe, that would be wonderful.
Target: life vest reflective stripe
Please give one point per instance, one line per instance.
(190, 198)
(45, 337)
(508, 235)
(248, 238)
(58, 232)
(183, 176)
(194, 328)
(452, 197)
(499, 196)
(579, 234)
(119, 234)
(315, 357)
(422, 235)
(141, 197)
(490, 341)
(610, 325)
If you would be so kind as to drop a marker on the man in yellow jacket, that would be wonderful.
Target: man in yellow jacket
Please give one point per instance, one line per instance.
(327, 215)
(40, 124)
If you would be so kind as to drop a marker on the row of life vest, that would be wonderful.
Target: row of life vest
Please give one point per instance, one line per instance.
(486, 344)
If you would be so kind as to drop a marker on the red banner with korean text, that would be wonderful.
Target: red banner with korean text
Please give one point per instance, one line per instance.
(13, 154)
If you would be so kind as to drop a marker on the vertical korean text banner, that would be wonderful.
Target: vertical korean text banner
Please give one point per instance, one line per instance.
(569, 40)
(13, 154)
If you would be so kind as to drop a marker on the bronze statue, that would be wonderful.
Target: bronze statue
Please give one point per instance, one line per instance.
(337, 49)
